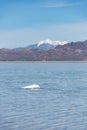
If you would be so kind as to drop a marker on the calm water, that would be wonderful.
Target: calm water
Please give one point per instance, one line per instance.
(60, 103)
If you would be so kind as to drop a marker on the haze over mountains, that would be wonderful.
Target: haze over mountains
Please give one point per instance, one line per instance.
(47, 50)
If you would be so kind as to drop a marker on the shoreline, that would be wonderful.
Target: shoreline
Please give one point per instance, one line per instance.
(48, 61)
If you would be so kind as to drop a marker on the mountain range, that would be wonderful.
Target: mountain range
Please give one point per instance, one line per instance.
(45, 44)
(62, 51)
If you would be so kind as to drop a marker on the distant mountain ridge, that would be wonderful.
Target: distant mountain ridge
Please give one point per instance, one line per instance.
(74, 51)
(45, 44)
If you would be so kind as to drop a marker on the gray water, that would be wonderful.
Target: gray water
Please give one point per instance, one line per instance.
(60, 103)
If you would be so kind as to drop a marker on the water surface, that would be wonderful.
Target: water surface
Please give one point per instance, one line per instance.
(60, 103)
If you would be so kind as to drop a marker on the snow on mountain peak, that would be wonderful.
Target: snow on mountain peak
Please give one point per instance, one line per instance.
(54, 43)
(48, 41)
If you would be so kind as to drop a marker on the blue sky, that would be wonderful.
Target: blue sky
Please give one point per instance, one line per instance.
(24, 22)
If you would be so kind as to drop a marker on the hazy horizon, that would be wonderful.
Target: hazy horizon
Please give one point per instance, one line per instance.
(27, 22)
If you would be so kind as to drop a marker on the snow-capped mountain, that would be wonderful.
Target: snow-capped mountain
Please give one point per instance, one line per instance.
(54, 43)
(73, 51)
(47, 44)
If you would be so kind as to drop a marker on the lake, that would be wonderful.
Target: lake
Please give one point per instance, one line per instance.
(59, 104)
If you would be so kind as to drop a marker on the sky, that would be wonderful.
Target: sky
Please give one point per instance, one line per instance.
(25, 22)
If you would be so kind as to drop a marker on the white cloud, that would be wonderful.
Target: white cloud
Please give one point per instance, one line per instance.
(24, 37)
(56, 4)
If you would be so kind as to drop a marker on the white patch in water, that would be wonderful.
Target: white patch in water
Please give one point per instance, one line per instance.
(33, 86)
